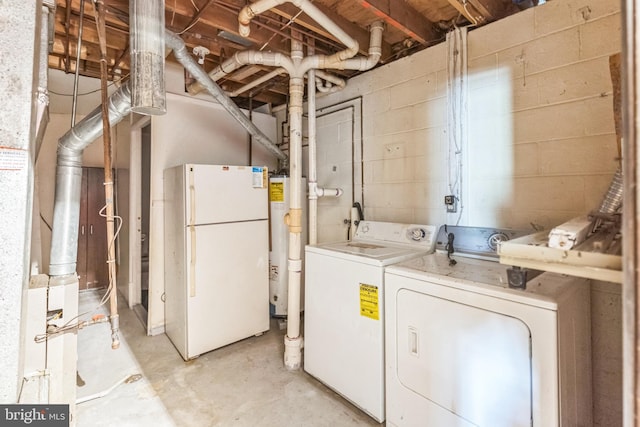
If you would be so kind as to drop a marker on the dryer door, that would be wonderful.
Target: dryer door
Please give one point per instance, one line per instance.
(471, 361)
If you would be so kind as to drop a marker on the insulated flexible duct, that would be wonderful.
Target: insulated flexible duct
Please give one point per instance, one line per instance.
(66, 209)
(613, 198)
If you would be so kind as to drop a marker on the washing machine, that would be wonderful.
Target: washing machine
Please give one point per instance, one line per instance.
(463, 348)
(344, 310)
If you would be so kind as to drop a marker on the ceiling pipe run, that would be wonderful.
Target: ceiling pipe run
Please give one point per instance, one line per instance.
(335, 61)
(252, 10)
(182, 55)
(297, 66)
(330, 84)
(275, 73)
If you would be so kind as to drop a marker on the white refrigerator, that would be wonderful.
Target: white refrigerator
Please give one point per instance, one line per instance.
(216, 253)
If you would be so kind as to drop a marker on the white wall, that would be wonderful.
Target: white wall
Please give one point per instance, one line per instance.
(541, 147)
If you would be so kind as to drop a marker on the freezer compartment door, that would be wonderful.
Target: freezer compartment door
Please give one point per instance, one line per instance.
(227, 284)
(217, 194)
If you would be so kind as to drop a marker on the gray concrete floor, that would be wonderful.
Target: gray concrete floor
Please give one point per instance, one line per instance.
(243, 384)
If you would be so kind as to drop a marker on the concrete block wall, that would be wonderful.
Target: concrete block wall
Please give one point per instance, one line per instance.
(404, 154)
(542, 145)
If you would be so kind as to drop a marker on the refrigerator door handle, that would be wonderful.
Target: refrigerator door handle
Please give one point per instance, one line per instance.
(192, 230)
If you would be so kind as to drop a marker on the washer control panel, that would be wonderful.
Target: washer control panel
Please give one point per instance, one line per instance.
(393, 232)
(475, 241)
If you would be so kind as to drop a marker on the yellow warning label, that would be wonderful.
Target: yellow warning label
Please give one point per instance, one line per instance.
(369, 301)
(276, 192)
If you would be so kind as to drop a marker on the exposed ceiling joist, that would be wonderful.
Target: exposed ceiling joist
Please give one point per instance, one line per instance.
(411, 25)
(405, 18)
(468, 11)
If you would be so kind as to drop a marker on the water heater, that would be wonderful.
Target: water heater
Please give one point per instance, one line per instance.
(279, 205)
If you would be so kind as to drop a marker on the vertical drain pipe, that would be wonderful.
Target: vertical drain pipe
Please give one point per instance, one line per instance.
(297, 69)
(293, 339)
(313, 174)
(146, 34)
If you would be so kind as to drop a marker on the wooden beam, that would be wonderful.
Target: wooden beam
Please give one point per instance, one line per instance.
(66, 31)
(404, 17)
(90, 50)
(115, 39)
(468, 11)
(216, 17)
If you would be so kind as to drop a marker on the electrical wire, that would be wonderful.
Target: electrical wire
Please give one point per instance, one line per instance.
(110, 288)
(456, 83)
(189, 27)
(474, 21)
(291, 21)
(92, 91)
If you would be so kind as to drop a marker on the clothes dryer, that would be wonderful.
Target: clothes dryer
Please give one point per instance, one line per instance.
(464, 349)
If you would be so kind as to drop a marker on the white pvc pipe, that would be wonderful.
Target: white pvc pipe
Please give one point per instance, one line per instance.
(312, 151)
(297, 66)
(361, 63)
(240, 59)
(250, 11)
(258, 81)
(329, 192)
(331, 83)
(293, 339)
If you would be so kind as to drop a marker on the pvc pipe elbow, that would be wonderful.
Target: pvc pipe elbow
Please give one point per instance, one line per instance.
(244, 30)
(292, 353)
(244, 18)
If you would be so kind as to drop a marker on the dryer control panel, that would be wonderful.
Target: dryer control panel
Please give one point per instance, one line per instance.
(479, 242)
(412, 234)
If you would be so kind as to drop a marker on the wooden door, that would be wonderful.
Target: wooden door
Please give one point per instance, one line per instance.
(92, 237)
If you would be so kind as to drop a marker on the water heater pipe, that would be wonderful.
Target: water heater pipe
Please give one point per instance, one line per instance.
(312, 152)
